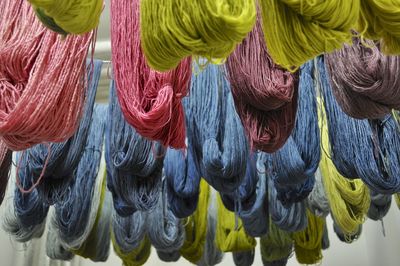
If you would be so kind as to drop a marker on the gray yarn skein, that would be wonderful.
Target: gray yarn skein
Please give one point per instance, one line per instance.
(165, 231)
(325, 238)
(169, 256)
(129, 231)
(11, 224)
(379, 206)
(54, 248)
(211, 254)
(317, 202)
(244, 258)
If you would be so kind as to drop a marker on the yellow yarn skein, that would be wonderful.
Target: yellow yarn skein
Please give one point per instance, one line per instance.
(172, 30)
(196, 227)
(230, 234)
(308, 243)
(380, 19)
(72, 16)
(349, 200)
(296, 31)
(276, 245)
(397, 199)
(136, 257)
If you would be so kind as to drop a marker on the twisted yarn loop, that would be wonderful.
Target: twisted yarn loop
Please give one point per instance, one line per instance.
(173, 31)
(296, 30)
(150, 101)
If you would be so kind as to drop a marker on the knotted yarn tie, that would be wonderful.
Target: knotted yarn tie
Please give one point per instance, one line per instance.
(149, 100)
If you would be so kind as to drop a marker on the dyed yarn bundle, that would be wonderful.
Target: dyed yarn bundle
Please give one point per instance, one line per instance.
(265, 96)
(348, 199)
(297, 31)
(183, 181)
(129, 238)
(75, 216)
(230, 233)
(276, 246)
(295, 163)
(196, 228)
(165, 231)
(364, 80)
(150, 101)
(380, 205)
(133, 164)
(51, 166)
(207, 29)
(216, 126)
(5, 168)
(54, 249)
(30, 112)
(308, 243)
(244, 258)
(292, 217)
(317, 201)
(66, 17)
(361, 148)
(379, 20)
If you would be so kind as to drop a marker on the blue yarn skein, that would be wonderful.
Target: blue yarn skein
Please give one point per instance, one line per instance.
(218, 136)
(64, 157)
(297, 161)
(133, 164)
(183, 181)
(290, 218)
(362, 148)
(379, 206)
(166, 232)
(244, 258)
(72, 215)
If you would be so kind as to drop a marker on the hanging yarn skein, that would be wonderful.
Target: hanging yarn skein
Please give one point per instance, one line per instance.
(216, 126)
(290, 218)
(196, 227)
(367, 149)
(244, 258)
(317, 201)
(211, 255)
(54, 249)
(165, 231)
(296, 31)
(5, 168)
(380, 205)
(361, 148)
(150, 101)
(349, 200)
(265, 96)
(294, 165)
(171, 32)
(51, 166)
(75, 216)
(76, 17)
(363, 80)
(30, 112)
(276, 247)
(183, 181)
(133, 164)
(230, 233)
(379, 21)
(308, 243)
